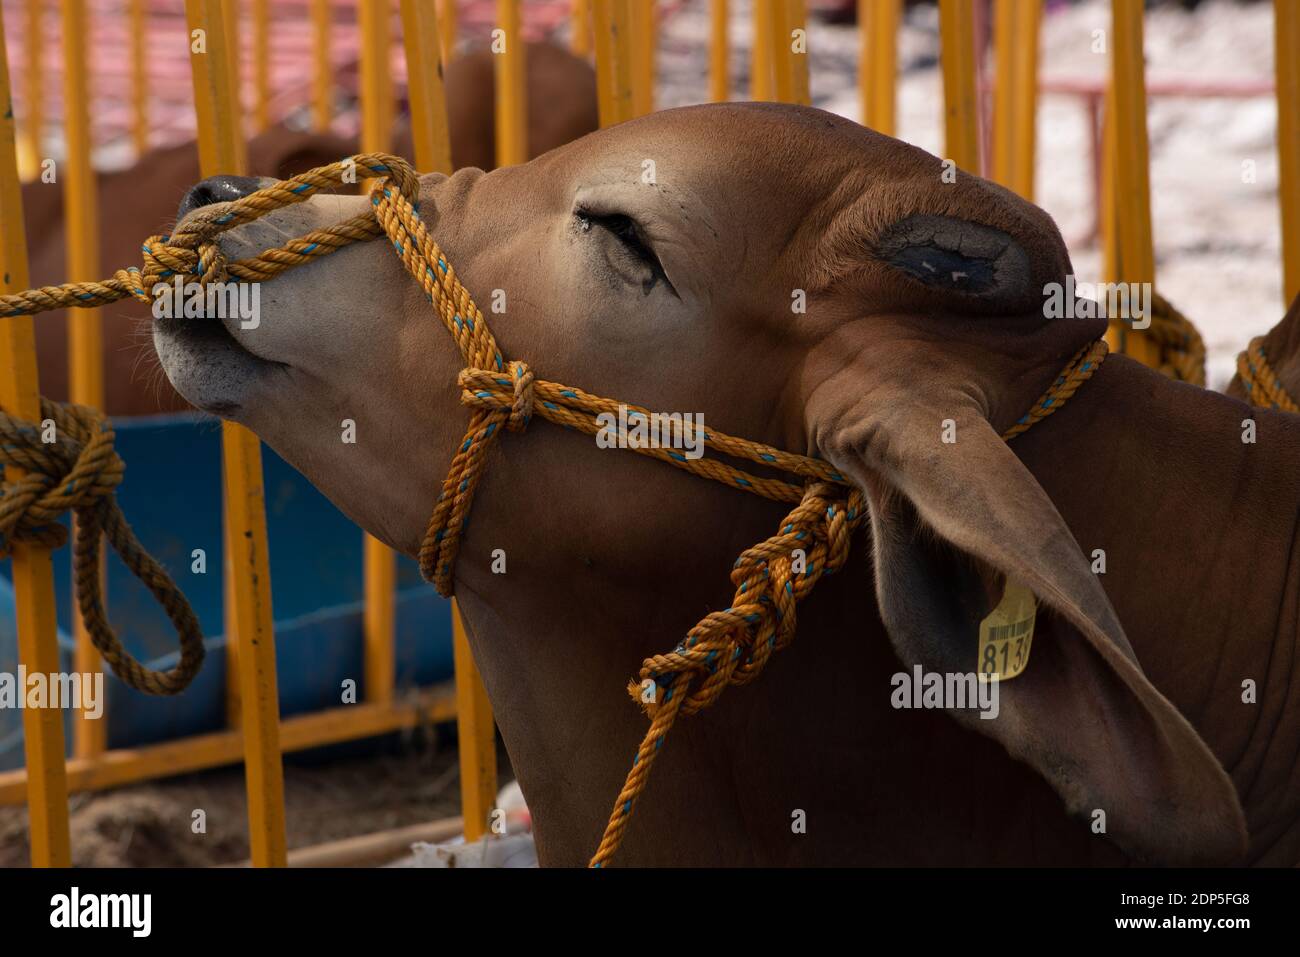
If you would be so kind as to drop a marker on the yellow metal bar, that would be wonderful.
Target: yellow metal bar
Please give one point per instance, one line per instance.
(477, 735)
(719, 48)
(778, 36)
(236, 148)
(380, 619)
(957, 45)
(643, 57)
(878, 67)
(511, 88)
(796, 43)
(234, 703)
(85, 340)
(376, 83)
(447, 28)
(429, 130)
(761, 79)
(1109, 214)
(221, 150)
(611, 20)
(31, 138)
(322, 87)
(1286, 40)
(234, 55)
(1016, 36)
(139, 76)
(1004, 91)
(477, 739)
(380, 562)
(580, 41)
(347, 723)
(1029, 16)
(1130, 170)
(85, 329)
(46, 782)
(261, 65)
(221, 146)
(1134, 251)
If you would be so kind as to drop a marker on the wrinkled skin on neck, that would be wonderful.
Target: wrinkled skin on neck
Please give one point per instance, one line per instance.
(674, 291)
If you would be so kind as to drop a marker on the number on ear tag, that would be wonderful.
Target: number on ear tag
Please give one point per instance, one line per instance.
(1007, 633)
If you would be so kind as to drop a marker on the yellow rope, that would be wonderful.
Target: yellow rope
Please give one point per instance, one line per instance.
(193, 250)
(1263, 388)
(78, 472)
(1182, 350)
(726, 647)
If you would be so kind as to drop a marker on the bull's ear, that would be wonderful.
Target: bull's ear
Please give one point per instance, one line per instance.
(952, 522)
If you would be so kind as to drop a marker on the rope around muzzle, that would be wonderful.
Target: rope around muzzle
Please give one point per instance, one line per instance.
(79, 471)
(728, 647)
(193, 251)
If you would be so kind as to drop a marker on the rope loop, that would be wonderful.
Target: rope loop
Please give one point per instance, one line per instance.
(78, 472)
(1180, 346)
(1182, 350)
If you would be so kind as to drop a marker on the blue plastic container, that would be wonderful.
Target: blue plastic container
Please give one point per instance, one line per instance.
(172, 498)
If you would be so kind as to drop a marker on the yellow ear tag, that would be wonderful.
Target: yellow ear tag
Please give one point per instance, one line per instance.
(1006, 634)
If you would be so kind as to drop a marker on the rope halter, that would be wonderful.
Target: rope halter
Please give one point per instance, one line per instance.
(79, 471)
(728, 647)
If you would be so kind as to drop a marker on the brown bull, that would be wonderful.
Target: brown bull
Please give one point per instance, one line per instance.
(1159, 716)
(562, 108)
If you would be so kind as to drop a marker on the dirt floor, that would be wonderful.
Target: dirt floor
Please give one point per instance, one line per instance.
(414, 781)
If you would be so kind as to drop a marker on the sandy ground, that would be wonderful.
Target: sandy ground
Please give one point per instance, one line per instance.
(1217, 239)
(415, 781)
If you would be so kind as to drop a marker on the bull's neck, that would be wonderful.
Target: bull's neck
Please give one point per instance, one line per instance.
(1202, 560)
(593, 585)
(1199, 542)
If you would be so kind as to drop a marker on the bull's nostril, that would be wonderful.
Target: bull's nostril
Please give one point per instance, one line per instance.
(217, 189)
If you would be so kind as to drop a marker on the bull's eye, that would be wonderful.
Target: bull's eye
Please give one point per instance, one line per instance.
(631, 237)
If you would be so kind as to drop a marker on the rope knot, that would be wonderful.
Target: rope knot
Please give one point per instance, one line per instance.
(510, 392)
(521, 408)
(78, 471)
(732, 646)
(74, 471)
